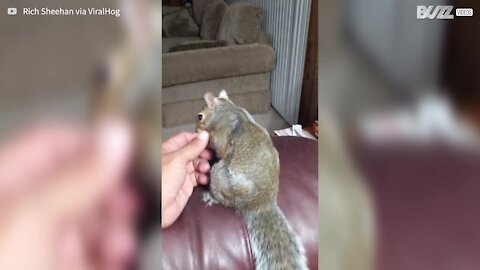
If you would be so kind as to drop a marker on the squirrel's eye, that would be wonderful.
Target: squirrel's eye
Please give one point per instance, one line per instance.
(199, 117)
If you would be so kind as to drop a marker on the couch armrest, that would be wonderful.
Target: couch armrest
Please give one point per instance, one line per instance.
(215, 63)
(216, 238)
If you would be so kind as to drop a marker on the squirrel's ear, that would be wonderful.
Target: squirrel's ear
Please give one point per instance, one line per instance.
(209, 99)
(223, 94)
(234, 121)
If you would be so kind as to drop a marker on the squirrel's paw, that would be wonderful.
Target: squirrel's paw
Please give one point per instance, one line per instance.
(208, 199)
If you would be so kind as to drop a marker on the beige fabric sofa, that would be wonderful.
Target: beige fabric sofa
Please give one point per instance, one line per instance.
(240, 61)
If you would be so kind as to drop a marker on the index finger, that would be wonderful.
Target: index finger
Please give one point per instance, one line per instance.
(178, 141)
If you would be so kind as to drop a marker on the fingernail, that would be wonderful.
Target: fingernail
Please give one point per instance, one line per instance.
(203, 136)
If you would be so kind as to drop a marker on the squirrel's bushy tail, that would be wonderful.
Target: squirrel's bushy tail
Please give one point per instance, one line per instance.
(274, 244)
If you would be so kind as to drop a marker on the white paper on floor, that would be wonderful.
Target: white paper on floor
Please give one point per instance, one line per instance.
(295, 130)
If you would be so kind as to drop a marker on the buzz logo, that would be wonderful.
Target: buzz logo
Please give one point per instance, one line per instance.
(435, 12)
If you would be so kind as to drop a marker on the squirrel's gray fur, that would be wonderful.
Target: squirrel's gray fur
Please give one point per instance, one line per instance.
(246, 179)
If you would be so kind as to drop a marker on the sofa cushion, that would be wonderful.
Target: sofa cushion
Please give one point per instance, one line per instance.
(168, 43)
(264, 38)
(175, 114)
(181, 103)
(211, 18)
(238, 85)
(197, 7)
(215, 63)
(179, 24)
(240, 24)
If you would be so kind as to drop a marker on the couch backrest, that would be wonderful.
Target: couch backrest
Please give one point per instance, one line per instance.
(212, 15)
(240, 24)
(197, 8)
(208, 14)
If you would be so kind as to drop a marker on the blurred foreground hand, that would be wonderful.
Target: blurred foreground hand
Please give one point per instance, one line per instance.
(64, 203)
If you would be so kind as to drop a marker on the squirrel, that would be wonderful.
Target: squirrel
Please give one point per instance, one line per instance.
(246, 178)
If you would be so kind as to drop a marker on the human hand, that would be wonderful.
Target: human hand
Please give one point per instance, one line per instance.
(184, 165)
(60, 189)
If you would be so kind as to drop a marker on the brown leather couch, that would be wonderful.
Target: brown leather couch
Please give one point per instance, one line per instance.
(216, 238)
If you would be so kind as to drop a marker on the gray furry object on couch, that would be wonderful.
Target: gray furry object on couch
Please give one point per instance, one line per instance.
(197, 44)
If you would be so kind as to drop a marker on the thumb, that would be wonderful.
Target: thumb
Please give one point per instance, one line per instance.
(194, 148)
